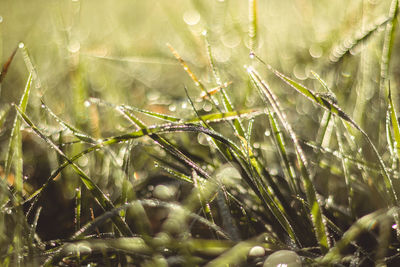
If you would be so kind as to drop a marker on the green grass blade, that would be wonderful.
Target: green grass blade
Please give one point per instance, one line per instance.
(100, 197)
(315, 210)
(388, 44)
(346, 172)
(395, 124)
(366, 223)
(344, 48)
(332, 107)
(281, 145)
(227, 116)
(14, 153)
(233, 256)
(77, 133)
(153, 114)
(253, 25)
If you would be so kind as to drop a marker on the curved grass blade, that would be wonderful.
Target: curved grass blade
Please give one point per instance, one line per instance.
(255, 181)
(334, 108)
(14, 153)
(233, 256)
(153, 114)
(100, 197)
(129, 245)
(227, 116)
(80, 135)
(344, 48)
(388, 43)
(366, 223)
(315, 209)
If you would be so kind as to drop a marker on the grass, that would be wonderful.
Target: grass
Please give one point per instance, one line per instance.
(205, 133)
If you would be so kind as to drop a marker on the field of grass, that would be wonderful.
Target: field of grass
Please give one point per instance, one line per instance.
(199, 133)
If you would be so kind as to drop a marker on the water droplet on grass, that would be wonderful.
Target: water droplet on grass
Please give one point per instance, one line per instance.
(21, 45)
(256, 251)
(191, 17)
(283, 258)
(172, 107)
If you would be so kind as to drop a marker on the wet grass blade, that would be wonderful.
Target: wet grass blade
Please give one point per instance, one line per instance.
(233, 256)
(334, 108)
(100, 197)
(253, 25)
(204, 202)
(346, 172)
(77, 133)
(344, 48)
(366, 223)
(315, 215)
(14, 153)
(395, 125)
(153, 114)
(388, 44)
(281, 145)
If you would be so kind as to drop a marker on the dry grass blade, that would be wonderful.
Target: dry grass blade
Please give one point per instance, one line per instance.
(7, 65)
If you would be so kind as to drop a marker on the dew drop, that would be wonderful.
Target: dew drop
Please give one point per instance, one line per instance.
(252, 55)
(86, 103)
(207, 107)
(191, 17)
(1, 19)
(172, 108)
(267, 133)
(21, 45)
(74, 47)
(257, 251)
(395, 226)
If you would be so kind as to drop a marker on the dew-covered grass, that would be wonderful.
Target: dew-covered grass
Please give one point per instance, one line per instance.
(199, 133)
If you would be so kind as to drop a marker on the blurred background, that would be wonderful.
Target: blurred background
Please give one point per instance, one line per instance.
(116, 51)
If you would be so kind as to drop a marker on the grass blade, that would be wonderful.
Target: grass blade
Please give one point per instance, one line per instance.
(100, 197)
(14, 153)
(334, 108)
(388, 43)
(314, 207)
(253, 25)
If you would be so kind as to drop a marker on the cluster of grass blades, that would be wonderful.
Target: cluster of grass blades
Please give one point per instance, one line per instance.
(198, 189)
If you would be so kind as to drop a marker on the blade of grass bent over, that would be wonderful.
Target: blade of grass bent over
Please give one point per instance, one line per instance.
(314, 207)
(101, 198)
(334, 108)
